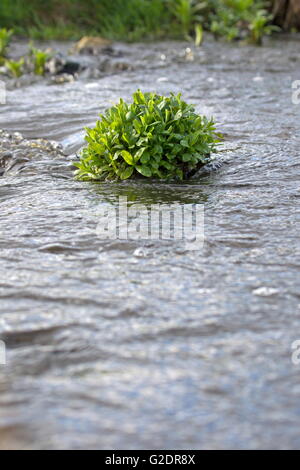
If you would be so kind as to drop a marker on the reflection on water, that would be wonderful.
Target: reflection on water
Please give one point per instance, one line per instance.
(129, 344)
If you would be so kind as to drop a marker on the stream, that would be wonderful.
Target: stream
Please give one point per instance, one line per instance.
(130, 344)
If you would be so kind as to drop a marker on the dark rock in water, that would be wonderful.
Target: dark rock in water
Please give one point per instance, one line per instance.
(60, 65)
(109, 65)
(212, 166)
(4, 158)
(70, 68)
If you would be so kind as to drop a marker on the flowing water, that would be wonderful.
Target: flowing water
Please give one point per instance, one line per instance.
(143, 344)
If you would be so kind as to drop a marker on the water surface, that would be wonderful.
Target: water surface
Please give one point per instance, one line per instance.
(129, 344)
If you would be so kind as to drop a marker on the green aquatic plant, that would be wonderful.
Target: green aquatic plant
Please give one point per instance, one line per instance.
(261, 26)
(15, 67)
(154, 136)
(5, 36)
(225, 23)
(241, 19)
(198, 34)
(39, 58)
(187, 13)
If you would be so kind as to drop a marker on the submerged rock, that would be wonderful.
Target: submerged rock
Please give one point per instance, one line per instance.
(63, 78)
(214, 165)
(62, 65)
(16, 151)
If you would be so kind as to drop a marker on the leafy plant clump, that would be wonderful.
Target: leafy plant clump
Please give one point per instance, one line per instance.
(5, 36)
(241, 19)
(155, 136)
(15, 67)
(39, 59)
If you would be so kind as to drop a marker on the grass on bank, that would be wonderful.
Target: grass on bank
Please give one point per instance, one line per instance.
(135, 20)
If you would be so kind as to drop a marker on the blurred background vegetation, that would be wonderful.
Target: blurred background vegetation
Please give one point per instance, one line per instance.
(135, 20)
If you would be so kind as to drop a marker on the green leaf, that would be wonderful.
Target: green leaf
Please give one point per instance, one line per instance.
(198, 34)
(98, 148)
(167, 165)
(139, 154)
(144, 170)
(127, 157)
(129, 115)
(127, 173)
(158, 149)
(145, 157)
(178, 115)
(137, 125)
